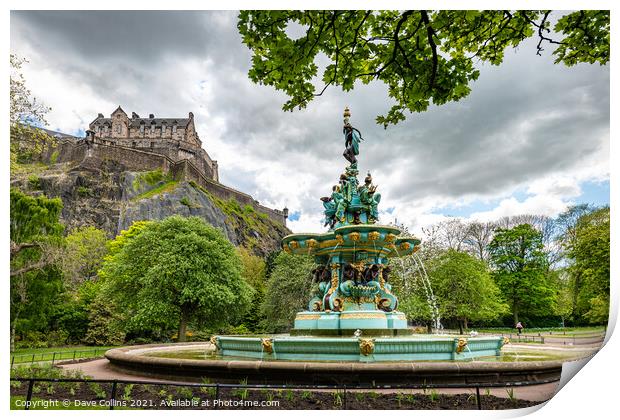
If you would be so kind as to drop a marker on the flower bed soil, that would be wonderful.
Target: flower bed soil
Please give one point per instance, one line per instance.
(156, 396)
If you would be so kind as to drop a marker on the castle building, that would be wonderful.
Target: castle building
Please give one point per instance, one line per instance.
(144, 144)
(174, 137)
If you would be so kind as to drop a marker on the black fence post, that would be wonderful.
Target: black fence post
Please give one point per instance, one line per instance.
(32, 359)
(53, 358)
(12, 361)
(217, 391)
(29, 394)
(74, 354)
(344, 397)
(478, 398)
(113, 395)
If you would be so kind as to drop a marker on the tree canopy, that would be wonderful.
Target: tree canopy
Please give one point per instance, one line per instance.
(422, 57)
(589, 250)
(465, 289)
(85, 248)
(520, 265)
(36, 238)
(176, 271)
(26, 113)
(288, 290)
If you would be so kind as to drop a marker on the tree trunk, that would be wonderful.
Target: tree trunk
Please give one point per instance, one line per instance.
(516, 316)
(13, 325)
(182, 336)
(460, 326)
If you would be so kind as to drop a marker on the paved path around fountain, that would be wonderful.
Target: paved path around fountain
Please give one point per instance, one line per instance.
(100, 369)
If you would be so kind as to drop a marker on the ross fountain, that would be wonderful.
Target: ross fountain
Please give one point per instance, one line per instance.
(351, 330)
(353, 313)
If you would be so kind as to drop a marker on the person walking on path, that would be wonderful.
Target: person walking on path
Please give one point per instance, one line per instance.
(519, 327)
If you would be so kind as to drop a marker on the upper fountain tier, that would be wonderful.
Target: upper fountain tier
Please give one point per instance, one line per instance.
(351, 213)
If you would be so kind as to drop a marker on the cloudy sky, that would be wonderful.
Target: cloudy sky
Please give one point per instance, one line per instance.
(533, 137)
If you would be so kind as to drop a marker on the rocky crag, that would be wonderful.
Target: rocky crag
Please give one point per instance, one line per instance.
(105, 195)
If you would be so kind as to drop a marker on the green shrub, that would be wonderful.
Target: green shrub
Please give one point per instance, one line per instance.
(151, 178)
(84, 191)
(34, 182)
(54, 157)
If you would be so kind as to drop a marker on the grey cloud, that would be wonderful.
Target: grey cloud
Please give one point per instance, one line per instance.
(135, 59)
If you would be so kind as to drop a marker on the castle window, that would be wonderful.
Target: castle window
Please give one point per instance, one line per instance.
(152, 144)
(152, 128)
(163, 129)
(133, 144)
(174, 128)
(118, 128)
(142, 128)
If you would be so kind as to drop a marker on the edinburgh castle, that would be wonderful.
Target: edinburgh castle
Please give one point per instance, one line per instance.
(145, 144)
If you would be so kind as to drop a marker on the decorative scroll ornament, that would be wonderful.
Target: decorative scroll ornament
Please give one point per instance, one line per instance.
(404, 246)
(338, 305)
(354, 236)
(293, 244)
(312, 243)
(389, 238)
(216, 342)
(359, 266)
(460, 346)
(367, 346)
(374, 235)
(339, 240)
(267, 345)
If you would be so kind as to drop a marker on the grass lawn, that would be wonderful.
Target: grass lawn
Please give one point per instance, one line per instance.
(570, 331)
(62, 353)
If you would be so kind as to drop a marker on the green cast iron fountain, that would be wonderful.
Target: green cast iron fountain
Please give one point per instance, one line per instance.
(353, 314)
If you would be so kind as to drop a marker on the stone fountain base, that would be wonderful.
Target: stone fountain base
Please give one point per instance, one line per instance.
(350, 320)
(362, 349)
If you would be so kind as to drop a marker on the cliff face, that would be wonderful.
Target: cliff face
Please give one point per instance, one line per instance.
(104, 195)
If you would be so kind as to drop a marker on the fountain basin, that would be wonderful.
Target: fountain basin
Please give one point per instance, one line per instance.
(142, 360)
(362, 349)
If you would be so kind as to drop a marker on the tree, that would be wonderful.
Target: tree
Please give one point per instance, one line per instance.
(288, 290)
(83, 255)
(589, 249)
(421, 56)
(104, 324)
(36, 237)
(253, 271)
(520, 270)
(174, 272)
(465, 289)
(26, 113)
(479, 236)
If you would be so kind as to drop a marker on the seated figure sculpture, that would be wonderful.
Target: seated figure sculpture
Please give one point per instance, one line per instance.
(370, 198)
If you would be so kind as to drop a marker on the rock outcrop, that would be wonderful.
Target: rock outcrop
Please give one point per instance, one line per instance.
(103, 194)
